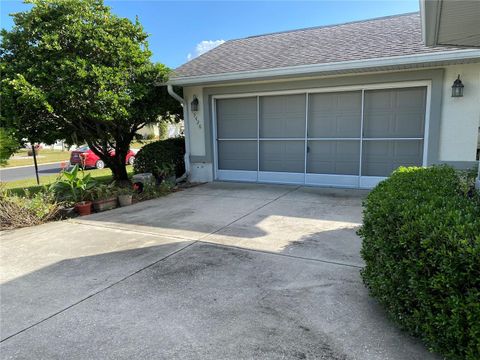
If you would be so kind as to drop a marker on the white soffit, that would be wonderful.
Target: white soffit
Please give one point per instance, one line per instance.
(451, 23)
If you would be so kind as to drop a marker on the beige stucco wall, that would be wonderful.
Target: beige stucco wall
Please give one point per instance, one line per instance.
(199, 171)
(460, 116)
(196, 123)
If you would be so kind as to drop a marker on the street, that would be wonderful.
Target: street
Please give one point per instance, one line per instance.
(26, 172)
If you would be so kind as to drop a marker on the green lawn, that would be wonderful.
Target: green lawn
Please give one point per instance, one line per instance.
(19, 186)
(44, 156)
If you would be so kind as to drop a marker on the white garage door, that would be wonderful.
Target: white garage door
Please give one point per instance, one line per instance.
(344, 139)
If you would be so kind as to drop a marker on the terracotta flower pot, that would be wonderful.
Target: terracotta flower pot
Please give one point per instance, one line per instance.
(105, 204)
(83, 208)
(125, 200)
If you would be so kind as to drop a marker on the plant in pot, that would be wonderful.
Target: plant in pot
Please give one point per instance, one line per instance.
(104, 197)
(125, 196)
(73, 187)
(165, 172)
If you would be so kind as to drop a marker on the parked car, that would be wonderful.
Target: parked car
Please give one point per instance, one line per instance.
(86, 158)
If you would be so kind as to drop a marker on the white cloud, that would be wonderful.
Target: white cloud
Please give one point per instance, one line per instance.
(204, 46)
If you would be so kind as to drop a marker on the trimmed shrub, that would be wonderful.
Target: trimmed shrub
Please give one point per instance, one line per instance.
(153, 156)
(421, 246)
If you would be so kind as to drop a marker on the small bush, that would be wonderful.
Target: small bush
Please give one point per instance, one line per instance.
(421, 246)
(156, 155)
(28, 210)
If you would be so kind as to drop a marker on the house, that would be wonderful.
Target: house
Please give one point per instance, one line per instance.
(341, 105)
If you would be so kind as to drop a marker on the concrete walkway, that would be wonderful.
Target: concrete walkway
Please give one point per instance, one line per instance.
(219, 271)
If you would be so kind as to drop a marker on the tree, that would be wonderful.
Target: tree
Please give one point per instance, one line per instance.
(8, 145)
(74, 71)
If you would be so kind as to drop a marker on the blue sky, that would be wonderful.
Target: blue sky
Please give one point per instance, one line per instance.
(180, 28)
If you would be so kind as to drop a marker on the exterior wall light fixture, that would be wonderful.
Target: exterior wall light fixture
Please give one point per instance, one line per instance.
(194, 104)
(457, 88)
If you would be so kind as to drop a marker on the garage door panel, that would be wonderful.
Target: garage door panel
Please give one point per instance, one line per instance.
(380, 158)
(394, 113)
(282, 116)
(335, 115)
(411, 98)
(237, 155)
(282, 156)
(409, 124)
(237, 118)
(333, 157)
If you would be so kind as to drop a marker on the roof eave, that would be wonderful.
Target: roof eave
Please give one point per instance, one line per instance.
(430, 18)
(347, 66)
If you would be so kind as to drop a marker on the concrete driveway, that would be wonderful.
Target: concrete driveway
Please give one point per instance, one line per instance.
(219, 271)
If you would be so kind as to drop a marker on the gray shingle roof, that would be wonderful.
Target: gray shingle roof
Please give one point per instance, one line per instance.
(397, 35)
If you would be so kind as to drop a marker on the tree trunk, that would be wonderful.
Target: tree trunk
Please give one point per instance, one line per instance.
(117, 163)
(119, 170)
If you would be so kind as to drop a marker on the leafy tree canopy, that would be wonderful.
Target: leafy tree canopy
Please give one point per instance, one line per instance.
(73, 70)
(8, 145)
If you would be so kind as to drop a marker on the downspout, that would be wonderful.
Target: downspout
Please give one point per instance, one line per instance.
(186, 128)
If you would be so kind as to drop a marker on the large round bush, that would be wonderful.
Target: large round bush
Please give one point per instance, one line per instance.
(421, 246)
(154, 155)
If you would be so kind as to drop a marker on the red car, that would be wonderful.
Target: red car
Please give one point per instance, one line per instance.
(86, 158)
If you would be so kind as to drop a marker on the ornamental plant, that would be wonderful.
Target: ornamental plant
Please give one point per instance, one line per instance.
(421, 246)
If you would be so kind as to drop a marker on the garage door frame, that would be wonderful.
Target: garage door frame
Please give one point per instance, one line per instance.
(332, 180)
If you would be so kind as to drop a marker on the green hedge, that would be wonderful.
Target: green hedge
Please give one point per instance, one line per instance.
(421, 246)
(153, 155)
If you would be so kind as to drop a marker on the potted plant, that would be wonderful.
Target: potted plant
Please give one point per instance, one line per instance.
(104, 197)
(73, 188)
(125, 196)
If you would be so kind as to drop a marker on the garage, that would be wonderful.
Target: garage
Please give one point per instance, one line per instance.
(328, 137)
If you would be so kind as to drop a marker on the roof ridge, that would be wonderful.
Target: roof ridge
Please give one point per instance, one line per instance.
(327, 26)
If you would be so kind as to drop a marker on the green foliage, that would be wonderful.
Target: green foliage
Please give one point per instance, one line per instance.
(72, 187)
(102, 192)
(162, 130)
(155, 156)
(421, 246)
(125, 190)
(71, 69)
(153, 191)
(165, 170)
(8, 145)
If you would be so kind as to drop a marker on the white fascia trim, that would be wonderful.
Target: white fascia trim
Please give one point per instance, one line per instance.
(430, 12)
(337, 66)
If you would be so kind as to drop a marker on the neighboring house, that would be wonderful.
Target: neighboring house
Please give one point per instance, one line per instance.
(341, 105)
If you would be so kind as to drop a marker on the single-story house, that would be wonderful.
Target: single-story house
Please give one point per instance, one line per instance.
(341, 105)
